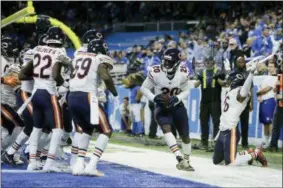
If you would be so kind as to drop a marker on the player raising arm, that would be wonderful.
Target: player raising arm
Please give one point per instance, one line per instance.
(171, 86)
(235, 102)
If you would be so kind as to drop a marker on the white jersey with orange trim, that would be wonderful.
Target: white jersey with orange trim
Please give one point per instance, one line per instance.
(81, 49)
(232, 110)
(27, 85)
(85, 77)
(44, 59)
(162, 84)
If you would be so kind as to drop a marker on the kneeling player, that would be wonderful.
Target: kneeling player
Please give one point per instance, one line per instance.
(171, 86)
(235, 102)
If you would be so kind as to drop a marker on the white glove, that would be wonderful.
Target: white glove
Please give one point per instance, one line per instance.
(227, 65)
(252, 67)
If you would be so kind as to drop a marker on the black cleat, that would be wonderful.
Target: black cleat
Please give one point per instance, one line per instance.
(8, 159)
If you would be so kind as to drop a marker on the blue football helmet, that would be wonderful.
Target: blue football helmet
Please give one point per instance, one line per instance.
(97, 47)
(9, 47)
(42, 40)
(236, 79)
(170, 60)
(55, 36)
(91, 35)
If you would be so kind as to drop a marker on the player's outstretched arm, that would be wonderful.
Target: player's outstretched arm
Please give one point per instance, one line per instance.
(26, 72)
(146, 89)
(103, 73)
(244, 91)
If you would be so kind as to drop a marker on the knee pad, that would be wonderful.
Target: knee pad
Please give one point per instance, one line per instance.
(186, 139)
(88, 130)
(166, 128)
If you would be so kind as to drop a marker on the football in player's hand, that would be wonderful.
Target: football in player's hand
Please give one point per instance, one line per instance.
(166, 98)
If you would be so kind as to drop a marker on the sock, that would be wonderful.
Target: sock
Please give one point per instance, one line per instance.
(172, 143)
(65, 137)
(75, 149)
(100, 146)
(187, 150)
(42, 141)
(33, 143)
(266, 139)
(54, 143)
(15, 133)
(83, 145)
(5, 138)
(38, 154)
(241, 159)
(21, 139)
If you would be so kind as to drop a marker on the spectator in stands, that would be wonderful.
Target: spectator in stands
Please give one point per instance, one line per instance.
(226, 50)
(125, 116)
(278, 118)
(235, 52)
(265, 96)
(218, 54)
(263, 45)
(199, 49)
(150, 60)
(121, 58)
(210, 104)
(261, 69)
(158, 49)
(247, 48)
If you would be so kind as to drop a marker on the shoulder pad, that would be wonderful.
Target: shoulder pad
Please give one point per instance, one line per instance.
(105, 59)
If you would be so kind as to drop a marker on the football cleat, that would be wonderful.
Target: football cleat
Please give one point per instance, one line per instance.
(8, 159)
(17, 159)
(91, 171)
(51, 168)
(33, 166)
(184, 165)
(78, 168)
(260, 157)
(250, 151)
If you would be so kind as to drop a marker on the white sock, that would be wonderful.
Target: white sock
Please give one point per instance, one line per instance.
(21, 139)
(100, 146)
(65, 137)
(187, 150)
(266, 139)
(5, 138)
(172, 143)
(42, 141)
(241, 159)
(15, 133)
(33, 143)
(75, 149)
(83, 145)
(54, 143)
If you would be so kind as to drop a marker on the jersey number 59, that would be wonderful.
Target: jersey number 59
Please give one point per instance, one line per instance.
(82, 68)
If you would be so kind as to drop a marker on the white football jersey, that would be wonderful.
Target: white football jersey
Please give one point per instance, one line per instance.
(162, 84)
(4, 65)
(81, 49)
(27, 85)
(232, 110)
(84, 77)
(44, 59)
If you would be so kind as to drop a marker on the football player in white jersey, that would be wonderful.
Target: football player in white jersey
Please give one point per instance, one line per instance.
(171, 85)
(228, 137)
(45, 69)
(11, 123)
(22, 96)
(90, 68)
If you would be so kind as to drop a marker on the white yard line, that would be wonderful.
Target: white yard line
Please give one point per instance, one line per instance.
(206, 172)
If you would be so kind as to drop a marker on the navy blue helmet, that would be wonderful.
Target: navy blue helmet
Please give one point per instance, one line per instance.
(97, 46)
(42, 40)
(42, 24)
(171, 60)
(55, 36)
(9, 47)
(236, 79)
(92, 34)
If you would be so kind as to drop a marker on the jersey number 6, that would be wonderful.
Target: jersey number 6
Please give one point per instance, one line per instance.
(82, 68)
(226, 104)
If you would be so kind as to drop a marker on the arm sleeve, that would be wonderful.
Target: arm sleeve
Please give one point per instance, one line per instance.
(247, 86)
(146, 89)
